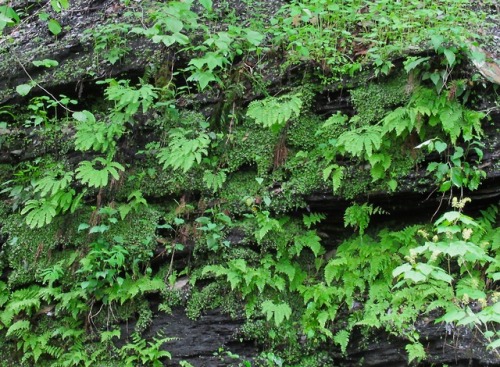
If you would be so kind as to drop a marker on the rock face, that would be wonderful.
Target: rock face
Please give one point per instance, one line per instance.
(208, 339)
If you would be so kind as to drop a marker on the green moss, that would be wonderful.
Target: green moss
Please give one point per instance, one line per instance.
(249, 145)
(28, 251)
(301, 134)
(373, 100)
(238, 187)
(212, 296)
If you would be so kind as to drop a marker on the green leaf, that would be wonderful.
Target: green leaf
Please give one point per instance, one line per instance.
(54, 27)
(274, 112)
(342, 339)
(401, 269)
(23, 89)
(280, 311)
(415, 351)
(8, 17)
(39, 212)
(207, 4)
(415, 276)
(84, 116)
(312, 219)
(83, 226)
(253, 37)
(19, 327)
(48, 63)
(58, 5)
(440, 146)
(450, 57)
(413, 62)
(361, 141)
(203, 78)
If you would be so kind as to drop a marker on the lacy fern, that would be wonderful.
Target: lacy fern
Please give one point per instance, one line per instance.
(97, 136)
(98, 178)
(182, 152)
(274, 112)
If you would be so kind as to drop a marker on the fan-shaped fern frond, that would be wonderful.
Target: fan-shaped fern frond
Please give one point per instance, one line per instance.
(274, 112)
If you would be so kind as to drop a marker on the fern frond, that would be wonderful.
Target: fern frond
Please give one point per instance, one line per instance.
(214, 181)
(279, 312)
(51, 184)
(183, 152)
(361, 142)
(312, 219)
(98, 178)
(39, 212)
(274, 112)
(19, 328)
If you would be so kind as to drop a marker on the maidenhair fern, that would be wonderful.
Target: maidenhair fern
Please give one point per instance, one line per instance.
(185, 147)
(97, 136)
(360, 142)
(93, 177)
(274, 112)
(128, 99)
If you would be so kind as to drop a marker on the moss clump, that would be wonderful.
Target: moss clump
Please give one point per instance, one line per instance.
(30, 250)
(301, 134)
(212, 296)
(240, 186)
(373, 100)
(249, 145)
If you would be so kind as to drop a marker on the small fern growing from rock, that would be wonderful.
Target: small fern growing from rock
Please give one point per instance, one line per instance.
(274, 112)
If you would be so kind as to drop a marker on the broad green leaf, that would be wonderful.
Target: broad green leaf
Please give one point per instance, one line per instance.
(54, 27)
(23, 89)
(450, 57)
(207, 4)
(401, 269)
(48, 63)
(440, 146)
(413, 62)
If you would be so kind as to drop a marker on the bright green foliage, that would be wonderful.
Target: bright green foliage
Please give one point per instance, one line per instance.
(135, 201)
(128, 99)
(97, 136)
(170, 22)
(279, 312)
(90, 271)
(342, 339)
(98, 177)
(307, 239)
(214, 181)
(415, 351)
(266, 224)
(141, 352)
(110, 41)
(358, 216)
(462, 240)
(55, 196)
(8, 17)
(336, 172)
(361, 142)
(274, 112)
(456, 171)
(312, 219)
(53, 182)
(439, 110)
(213, 230)
(185, 147)
(40, 212)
